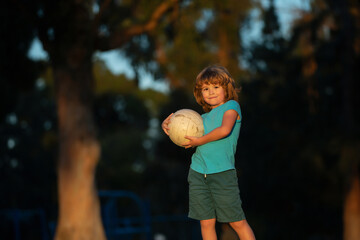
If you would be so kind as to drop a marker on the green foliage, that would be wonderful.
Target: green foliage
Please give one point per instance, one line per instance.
(191, 38)
(106, 82)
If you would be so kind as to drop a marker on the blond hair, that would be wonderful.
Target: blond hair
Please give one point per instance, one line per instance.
(215, 75)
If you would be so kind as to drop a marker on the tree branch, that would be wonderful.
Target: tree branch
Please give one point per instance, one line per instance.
(118, 38)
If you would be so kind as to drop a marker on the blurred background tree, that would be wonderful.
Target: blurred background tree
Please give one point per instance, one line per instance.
(298, 153)
(71, 32)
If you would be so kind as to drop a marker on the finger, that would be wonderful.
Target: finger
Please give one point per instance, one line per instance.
(165, 128)
(164, 125)
(166, 122)
(168, 118)
(186, 145)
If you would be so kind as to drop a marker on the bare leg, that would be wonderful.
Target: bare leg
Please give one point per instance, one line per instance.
(208, 231)
(243, 230)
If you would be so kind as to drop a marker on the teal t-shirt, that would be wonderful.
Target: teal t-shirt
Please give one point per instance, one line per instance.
(217, 156)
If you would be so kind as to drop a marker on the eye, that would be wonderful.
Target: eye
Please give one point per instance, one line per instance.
(205, 89)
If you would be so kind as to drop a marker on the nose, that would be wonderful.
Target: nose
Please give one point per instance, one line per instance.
(211, 91)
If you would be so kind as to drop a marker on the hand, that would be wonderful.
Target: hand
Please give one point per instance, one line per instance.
(193, 142)
(165, 123)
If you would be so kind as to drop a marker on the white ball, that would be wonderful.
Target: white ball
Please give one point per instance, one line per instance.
(185, 122)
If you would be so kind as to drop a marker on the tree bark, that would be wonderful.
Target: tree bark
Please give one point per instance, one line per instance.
(79, 208)
(352, 211)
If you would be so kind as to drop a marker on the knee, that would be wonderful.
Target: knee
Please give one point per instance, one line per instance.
(206, 224)
(239, 225)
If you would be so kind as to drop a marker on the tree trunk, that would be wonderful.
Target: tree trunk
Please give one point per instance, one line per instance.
(352, 211)
(79, 208)
(70, 45)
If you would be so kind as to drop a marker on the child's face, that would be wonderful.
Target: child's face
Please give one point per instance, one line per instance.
(213, 94)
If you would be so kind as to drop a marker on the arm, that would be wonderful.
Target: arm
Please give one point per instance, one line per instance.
(224, 130)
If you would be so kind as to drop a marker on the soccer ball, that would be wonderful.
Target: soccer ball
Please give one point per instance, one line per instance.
(185, 122)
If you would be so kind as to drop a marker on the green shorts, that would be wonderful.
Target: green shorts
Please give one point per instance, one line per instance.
(215, 196)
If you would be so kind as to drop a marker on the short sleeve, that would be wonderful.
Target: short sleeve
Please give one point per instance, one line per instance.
(233, 105)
